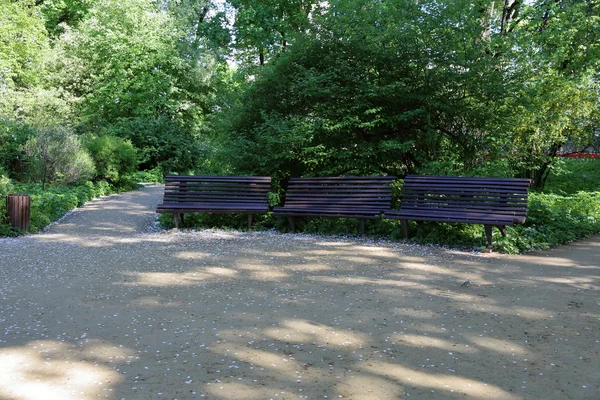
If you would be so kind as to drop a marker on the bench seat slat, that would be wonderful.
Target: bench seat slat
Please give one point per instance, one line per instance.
(218, 189)
(207, 209)
(465, 203)
(207, 197)
(215, 178)
(464, 191)
(356, 196)
(321, 209)
(467, 179)
(333, 180)
(431, 215)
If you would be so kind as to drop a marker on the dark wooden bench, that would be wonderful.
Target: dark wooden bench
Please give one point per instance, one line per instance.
(215, 195)
(488, 201)
(337, 197)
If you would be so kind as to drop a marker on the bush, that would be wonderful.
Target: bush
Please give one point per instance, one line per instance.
(56, 156)
(5, 184)
(5, 188)
(152, 176)
(554, 220)
(13, 136)
(570, 176)
(49, 205)
(161, 142)
(451, 165)
(115, 158)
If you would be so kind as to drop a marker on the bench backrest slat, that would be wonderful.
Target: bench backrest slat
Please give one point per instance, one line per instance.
(217, 189)
(351, 193)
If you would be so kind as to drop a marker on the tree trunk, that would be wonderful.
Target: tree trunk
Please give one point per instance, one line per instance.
(487, 13)
(510, 13)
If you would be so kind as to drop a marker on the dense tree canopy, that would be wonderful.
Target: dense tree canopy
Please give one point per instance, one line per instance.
(457, 87)
(305, 87)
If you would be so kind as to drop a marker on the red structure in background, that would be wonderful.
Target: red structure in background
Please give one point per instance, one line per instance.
(581, 155)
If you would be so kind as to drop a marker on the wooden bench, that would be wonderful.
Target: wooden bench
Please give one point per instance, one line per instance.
(488, 201)
(337, 197)
(215, 195)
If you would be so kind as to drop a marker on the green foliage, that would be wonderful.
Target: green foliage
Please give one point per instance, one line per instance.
(5, 184)
(50, 204)
(13, 136)
(124, 62)
(452, 165)
(219, 221)
(114, 157)
(161, 143)
(151, 176)
(56, 156)
(22, 41)
(395, 86)
(375, 87)
(573, 175)
(314, 113)
(61, 14)
(6, 187)
(553, 220)
(445, 234)
(264, 28)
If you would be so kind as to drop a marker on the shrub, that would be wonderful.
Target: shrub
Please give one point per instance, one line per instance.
(161, 142)
(5, 188)
(573, 175)
(5, 184)
(56, 156)
(13, 136)
(152, 176)
(553, 220)
(48, 205)
(114, 157)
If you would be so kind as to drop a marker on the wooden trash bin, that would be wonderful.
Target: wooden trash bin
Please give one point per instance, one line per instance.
(18, 207)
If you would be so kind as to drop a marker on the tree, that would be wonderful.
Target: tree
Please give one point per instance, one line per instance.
(63, 14)
(22, 41)
(371, 87)
(125, 64)
(264, 28)
(554, 92)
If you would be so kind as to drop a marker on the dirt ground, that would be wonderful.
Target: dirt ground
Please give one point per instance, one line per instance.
(102, 305)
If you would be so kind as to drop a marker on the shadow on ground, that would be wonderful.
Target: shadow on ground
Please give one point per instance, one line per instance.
(226, 315)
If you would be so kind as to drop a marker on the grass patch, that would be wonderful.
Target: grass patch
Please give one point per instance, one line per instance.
(573, 175)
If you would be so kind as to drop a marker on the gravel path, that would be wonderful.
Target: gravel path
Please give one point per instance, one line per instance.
(102, 305)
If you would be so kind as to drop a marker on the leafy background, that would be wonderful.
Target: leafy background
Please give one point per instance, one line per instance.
(135, 89)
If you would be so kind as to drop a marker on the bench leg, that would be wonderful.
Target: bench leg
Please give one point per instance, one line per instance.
(292, 224)
(362, 227)
(502, 229)
(488, 235)
(404, 224)
(249, 221)
(176, 221)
